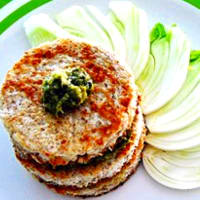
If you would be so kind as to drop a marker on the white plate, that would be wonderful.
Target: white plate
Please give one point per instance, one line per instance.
(15, 182)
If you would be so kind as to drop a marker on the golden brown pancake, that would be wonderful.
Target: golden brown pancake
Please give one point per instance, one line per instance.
(104, 185)
(83, 175)
(89, 150)
(88, 130)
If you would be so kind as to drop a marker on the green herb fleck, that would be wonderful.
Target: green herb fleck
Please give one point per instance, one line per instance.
(194, 55)
(158, 32)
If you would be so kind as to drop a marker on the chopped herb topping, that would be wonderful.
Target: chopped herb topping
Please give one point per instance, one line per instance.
(66, 89)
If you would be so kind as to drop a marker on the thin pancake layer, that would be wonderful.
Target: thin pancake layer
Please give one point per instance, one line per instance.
(96, 125)
(85, 158)
(104, 185)
(84, 175)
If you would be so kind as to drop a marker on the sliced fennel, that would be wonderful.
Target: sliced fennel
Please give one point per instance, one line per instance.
(180, 117)
(40, 28)
(166, 69)
(110, 30)
(185, 138)
(132, 24)
(76, 21)
(176, 169)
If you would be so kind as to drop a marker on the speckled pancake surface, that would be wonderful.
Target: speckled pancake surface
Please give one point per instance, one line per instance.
(86, 131)
(104, 185)
(84, 175)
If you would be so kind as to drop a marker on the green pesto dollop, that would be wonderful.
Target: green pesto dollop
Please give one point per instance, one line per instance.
(66, 89)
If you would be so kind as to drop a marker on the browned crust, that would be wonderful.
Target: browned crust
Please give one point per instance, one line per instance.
(54, 188)
(86, 55)
(36, 157)
(74, 191)
(63, 190)
(28, 162)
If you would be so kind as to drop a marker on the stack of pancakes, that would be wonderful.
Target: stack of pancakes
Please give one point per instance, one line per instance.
(89, 150)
